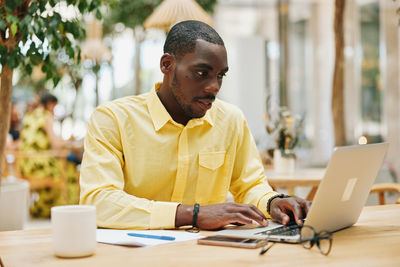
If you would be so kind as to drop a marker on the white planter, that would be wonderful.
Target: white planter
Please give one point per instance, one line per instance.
(13, 204)
(282, 164)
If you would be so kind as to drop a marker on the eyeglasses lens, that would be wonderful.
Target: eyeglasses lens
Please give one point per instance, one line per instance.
(325, 242)
(307, 237)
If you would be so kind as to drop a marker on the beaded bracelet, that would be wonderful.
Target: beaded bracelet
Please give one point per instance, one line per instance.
(194, 228)
(272, 198)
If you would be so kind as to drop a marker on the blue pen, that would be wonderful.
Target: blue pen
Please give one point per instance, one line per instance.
(162, 237)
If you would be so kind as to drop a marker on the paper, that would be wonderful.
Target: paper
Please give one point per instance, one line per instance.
(121, 237)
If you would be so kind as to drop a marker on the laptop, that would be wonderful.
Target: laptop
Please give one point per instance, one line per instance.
(340, 197)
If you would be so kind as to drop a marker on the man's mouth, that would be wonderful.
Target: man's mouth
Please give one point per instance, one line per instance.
(205, 103)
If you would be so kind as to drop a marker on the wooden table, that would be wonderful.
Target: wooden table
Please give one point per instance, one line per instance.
(373, 241)
(310, 177)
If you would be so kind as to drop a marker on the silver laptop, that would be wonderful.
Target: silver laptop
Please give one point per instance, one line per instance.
(340, 197)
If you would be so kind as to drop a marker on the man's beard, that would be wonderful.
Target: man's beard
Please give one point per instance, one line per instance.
(187, 109)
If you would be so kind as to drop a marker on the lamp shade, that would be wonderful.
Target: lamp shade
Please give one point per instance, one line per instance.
(170, 12)
(93, 48)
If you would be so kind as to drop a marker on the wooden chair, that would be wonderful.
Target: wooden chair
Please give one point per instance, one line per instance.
(39, 181)
(380, 189)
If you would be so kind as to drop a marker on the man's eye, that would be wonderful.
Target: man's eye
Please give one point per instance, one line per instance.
(222, 75)
(202, 73)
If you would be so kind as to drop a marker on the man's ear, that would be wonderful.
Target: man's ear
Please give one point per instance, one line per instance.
(167, 63)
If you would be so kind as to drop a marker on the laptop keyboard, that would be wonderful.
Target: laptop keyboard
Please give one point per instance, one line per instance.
(291, 230)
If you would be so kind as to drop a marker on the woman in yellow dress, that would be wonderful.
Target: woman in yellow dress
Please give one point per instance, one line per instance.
(38, 135)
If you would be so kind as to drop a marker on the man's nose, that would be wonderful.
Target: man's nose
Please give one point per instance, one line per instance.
(213, 86)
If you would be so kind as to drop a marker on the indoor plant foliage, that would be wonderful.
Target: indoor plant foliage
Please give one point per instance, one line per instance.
(29, 31)
(285, 128)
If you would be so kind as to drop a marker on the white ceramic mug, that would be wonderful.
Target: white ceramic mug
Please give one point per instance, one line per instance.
(74, 230)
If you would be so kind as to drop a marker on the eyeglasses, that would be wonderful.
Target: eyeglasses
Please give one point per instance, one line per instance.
(266, 246)
(323, 239)
(308, 237)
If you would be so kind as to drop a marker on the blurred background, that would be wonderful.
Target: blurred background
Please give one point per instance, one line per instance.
(282, 57)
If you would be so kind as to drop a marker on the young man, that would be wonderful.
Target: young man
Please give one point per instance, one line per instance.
(149, 158)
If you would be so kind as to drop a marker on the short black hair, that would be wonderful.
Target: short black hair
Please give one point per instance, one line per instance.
(47, 97)
(182, 37)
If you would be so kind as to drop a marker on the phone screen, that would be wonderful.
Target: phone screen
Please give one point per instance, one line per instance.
(231, 241)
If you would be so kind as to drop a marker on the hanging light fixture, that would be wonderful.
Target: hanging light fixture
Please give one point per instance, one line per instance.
(170, 12)
(94, 49)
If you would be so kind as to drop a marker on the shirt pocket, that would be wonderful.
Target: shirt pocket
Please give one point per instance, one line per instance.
(212, 184)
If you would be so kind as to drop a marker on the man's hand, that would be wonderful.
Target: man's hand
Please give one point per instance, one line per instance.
(219, 215)
(283, 210)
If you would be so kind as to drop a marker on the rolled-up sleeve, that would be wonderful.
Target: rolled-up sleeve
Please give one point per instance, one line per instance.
(102, 181)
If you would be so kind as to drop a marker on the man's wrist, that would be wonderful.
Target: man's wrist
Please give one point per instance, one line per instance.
(184, 215)
(196, 210)
(272, 198)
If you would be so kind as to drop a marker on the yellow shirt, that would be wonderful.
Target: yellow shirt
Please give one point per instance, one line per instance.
(139, 164)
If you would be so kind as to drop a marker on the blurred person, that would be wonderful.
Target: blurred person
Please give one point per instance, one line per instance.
(38, 135)
(32, 104)
(168, 158)
(15, 128)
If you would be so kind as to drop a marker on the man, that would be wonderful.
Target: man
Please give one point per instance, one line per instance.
(149, 158)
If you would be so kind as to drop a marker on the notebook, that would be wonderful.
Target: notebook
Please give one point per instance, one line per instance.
(340, 197)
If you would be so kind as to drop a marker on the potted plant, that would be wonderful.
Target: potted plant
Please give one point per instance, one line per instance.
(285, 128)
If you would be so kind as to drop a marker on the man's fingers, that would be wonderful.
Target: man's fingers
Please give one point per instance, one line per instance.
(306, 206)
(239, 218)
(297, 212)
(256, 215)
(288, 208)
(259, 212)
(281, 217)
(251, 212)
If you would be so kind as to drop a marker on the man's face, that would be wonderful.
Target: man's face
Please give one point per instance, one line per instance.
(50, 106)
(198, 78)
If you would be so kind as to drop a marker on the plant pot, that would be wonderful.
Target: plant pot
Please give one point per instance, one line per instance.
(283, 164)
(14, 195)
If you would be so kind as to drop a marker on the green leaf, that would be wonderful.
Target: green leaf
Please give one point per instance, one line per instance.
(56, 79)
(14, 29)
(82, 6)
(70, 51)
(3, 55)
(61, 28)
(42, 5)
(36, 58)
(12, 19)
(44, 68)
(79, 57)
(40, 35)
(12, 61)
(98, 15)
(2, 25)
(55, 44)
(12, 4)
(33, 7)
(93, 5)
(28, 69)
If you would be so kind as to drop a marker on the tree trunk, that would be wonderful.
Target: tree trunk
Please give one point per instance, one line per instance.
(139, 37)
(137, 68)
(283, 22)
(338, 76)
(5, 111)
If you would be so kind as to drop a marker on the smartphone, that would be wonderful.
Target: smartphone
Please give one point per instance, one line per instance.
(231, 241)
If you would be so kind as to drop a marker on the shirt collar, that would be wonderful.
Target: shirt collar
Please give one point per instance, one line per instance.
(160, 115)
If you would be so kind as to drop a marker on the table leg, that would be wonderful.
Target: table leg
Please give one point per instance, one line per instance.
(290, 190)
(312, 192)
